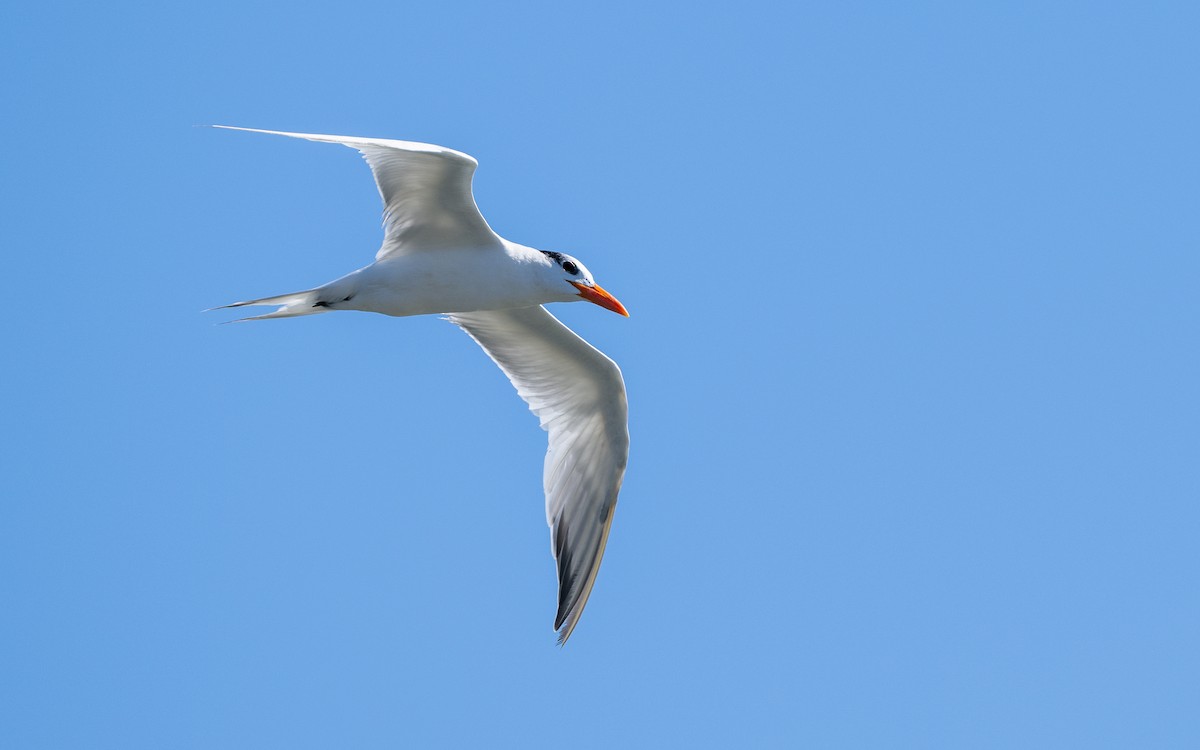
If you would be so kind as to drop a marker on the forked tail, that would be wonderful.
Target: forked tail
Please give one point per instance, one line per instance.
(290, 305)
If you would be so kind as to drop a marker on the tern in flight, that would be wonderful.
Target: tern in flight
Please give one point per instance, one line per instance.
(439, 256)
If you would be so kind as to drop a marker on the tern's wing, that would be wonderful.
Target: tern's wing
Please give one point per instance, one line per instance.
(579, 395)
(426, 191)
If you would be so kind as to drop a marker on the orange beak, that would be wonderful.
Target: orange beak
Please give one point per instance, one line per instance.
(596, 293)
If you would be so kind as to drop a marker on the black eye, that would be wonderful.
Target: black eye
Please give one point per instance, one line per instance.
(570, 268)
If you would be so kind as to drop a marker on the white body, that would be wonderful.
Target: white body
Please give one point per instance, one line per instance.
(416, 283)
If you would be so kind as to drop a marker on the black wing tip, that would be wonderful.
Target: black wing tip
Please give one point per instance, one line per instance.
(564, 631)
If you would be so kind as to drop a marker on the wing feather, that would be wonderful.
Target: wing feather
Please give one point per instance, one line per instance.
(578, 395)
(426, 192)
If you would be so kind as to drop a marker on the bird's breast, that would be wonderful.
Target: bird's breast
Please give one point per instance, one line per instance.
(444, 282)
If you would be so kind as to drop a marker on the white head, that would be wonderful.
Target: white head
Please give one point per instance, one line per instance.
(566, 269)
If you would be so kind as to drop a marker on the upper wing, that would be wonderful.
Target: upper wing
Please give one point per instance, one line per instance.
(579, 395)
(426, 191)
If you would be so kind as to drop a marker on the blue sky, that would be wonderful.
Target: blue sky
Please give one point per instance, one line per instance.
(912, 370)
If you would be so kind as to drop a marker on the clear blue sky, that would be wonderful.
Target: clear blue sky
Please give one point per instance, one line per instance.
(912, 367)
